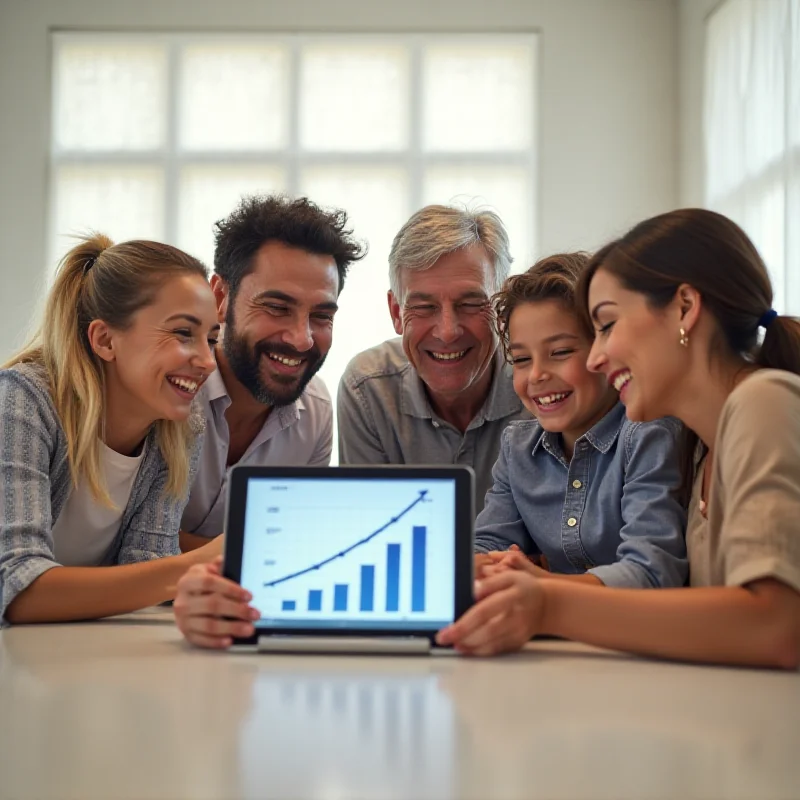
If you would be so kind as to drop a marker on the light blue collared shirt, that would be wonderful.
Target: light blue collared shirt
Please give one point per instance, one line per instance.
(613, 510)
(300, 434)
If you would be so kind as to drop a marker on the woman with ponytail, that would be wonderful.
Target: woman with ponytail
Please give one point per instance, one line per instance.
(98, 440)
(679, 306)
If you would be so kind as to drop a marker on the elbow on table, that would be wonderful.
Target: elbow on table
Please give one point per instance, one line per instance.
(783, 646)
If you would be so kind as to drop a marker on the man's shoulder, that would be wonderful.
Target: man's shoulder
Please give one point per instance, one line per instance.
(386, 360)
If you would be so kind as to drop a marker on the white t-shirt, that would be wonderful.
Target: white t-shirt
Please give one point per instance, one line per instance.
(85, 529)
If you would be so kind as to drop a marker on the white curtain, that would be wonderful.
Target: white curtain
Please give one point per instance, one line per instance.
(752, 130)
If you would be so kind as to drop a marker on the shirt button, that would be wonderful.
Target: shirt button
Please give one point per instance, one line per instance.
(572, 522)
(576, 484)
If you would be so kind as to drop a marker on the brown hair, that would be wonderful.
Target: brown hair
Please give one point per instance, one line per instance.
(553, 278)
(296, 222)
(714, 255)
(100, 280)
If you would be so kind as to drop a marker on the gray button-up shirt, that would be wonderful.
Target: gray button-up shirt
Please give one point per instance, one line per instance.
(612, 510)
(385, 417)
(300, 434)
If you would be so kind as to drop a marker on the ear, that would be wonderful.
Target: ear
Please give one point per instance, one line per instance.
(689, 303)
(101, 340)
(221, 295)
(394, 311)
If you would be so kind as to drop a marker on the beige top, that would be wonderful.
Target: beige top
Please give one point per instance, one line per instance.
(752, 529)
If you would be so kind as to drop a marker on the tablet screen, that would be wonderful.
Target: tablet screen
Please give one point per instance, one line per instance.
(350, 553)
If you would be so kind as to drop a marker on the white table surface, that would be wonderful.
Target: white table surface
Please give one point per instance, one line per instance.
(123, 709)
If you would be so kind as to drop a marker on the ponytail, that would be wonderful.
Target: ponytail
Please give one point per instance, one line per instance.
(780, 348)
(73, 370)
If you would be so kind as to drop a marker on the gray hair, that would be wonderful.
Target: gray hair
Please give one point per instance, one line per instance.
(436, 231)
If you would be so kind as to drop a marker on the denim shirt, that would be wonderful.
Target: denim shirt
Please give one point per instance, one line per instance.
(613, 510)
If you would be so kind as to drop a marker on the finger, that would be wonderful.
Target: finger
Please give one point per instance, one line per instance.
(493, 569)
(514, 549)
(203, 581)
(509, 642)
(489, 606)
(214, 626)
(215, 605)
(501, 580)
(544, 563)
(211, 642)
(492, 629)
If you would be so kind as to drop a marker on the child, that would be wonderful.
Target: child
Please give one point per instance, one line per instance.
(597, 496)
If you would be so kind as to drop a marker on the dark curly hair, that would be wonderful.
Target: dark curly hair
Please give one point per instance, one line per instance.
(552, 278)
(296, 222)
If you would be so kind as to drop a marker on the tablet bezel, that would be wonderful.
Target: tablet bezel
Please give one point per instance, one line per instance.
(464, 478)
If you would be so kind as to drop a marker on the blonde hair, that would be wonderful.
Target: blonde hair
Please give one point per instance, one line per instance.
(436, 230)
(100, 280)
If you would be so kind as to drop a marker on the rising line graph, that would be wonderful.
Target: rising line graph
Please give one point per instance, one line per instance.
(392, 521)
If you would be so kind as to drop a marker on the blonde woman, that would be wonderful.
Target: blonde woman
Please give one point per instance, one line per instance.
(98, 440)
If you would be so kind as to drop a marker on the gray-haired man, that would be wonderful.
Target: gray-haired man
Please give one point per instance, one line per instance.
(442, 393)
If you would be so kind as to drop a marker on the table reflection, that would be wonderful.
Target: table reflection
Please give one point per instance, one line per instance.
(348, 733)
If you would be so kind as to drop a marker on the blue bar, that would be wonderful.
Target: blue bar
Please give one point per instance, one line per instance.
(418, 569)
(315, 599)
(367, 587)
(392, 577)
(340, 597)
(288, 605)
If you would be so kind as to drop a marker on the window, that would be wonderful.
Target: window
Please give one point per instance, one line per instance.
(159, 136)
(752, 131)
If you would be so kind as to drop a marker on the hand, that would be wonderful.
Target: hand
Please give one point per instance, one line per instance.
(210, 610)
(485, 560)
(514, 558)
(509, 610)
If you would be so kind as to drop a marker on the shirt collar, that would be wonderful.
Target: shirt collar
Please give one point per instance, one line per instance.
(501, 401)
(601, 435)
(216, 391)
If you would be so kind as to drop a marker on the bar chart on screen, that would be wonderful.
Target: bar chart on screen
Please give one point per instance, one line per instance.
(360, 552)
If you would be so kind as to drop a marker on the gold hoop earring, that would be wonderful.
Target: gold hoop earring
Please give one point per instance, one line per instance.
(684, 340)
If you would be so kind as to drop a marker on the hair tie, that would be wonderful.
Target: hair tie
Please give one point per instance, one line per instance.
(89, 264)
(767, 317)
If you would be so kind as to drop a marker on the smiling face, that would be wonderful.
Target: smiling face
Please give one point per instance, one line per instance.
(636, 347)
(156, 364)
(447, 323)
(279, 325)
(548, 351)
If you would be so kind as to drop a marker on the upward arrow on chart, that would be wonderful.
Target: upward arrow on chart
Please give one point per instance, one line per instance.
(352, 547)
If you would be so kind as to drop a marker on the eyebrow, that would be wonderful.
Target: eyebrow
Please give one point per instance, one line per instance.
(599, 306)
(471, 295)
(274, 294)
(549, 340)
(190, 319)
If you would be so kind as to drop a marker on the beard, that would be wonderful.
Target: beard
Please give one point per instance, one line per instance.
(245, 361)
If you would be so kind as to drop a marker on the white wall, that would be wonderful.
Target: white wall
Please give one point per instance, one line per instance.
(608, 102)
(692, 15)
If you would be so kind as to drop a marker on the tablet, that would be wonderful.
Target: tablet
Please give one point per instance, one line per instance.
(379, 555)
